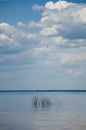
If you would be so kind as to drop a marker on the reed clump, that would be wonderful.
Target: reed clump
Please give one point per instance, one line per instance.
(42, 102)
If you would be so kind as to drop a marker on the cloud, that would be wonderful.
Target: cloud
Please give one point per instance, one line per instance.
(60, 5)
(75, 73)
(14, 39)
(68, 18)
(21, 24)
(6, 29)
(57, 39)
(37, 7)
(73, 58)
(48, 31)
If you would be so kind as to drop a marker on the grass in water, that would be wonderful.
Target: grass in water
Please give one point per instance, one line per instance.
(42, 102)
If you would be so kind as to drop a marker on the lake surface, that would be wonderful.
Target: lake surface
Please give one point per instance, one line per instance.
(67, 111)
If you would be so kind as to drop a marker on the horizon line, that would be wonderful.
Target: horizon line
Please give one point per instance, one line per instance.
(43, 90)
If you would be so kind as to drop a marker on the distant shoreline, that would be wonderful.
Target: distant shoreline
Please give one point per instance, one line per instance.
(25, 91)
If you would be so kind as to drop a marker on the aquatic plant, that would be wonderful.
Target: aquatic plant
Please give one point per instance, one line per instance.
(41, 102)
(35, 101)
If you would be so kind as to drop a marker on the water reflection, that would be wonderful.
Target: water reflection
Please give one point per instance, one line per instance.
(49, 111)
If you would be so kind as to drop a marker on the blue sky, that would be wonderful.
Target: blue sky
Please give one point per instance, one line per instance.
(42, 44)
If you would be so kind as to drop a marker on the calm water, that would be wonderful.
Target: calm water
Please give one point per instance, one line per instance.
(67, 111)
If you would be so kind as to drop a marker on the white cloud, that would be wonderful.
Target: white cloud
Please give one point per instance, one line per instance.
(34, 24)
(73, 58)
(80, 15)
(58, 5)
(3, 37)
(69, 21)
(48, 31)
(14, 38)
(37, 7)
(58, 38)
(21, 24)
(7, 42)
(6, 28)
(75, 73)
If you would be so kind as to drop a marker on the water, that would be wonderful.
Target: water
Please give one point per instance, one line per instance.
(67, 111)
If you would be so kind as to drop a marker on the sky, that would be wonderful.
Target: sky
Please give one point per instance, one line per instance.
(42, 44)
